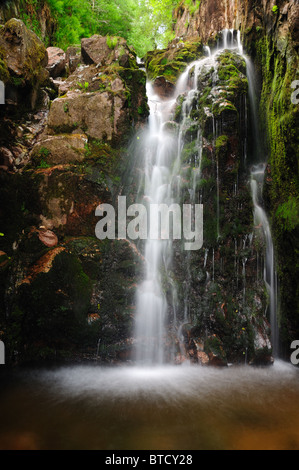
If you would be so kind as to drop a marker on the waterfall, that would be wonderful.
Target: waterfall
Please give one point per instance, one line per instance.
(163, 149)
(260, 216)
(270, 277)
(156, 307)
(151, 300)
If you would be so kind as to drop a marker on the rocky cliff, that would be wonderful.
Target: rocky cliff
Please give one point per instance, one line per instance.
(269, 31)
(65, 131)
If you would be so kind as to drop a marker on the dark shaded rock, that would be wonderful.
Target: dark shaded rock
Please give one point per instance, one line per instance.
(73, 58)
(24, 57)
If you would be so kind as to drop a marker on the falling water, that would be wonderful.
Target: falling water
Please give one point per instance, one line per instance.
(261, 222)
(151, 300)
(162, 169)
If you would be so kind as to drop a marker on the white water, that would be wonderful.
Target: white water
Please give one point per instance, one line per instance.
(160, 150)
(262, 223)
(162, 181)
(260, 217)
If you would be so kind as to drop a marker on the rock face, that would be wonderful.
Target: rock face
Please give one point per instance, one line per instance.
(58, 163)
(226, 298)
(270, 36)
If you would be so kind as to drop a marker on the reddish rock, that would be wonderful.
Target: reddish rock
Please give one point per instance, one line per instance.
(48, 238)
(56, 62)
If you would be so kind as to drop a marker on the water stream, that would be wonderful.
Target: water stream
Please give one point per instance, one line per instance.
(163, 150)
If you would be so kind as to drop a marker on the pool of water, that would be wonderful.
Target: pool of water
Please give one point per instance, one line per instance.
(164, 408)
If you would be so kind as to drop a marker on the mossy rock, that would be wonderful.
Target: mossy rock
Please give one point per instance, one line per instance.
(171, 62)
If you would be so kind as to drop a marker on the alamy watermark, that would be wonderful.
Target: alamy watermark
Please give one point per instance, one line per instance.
(187, 223)
(295, 354)
(2, 353)
(295, 94)
(2, 93)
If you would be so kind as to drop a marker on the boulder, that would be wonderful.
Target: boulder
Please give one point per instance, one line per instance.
(24, 58)
(57, 61)
(102, 50)
(24, 53)
(73, 58)
(60, 149)
(99, 114)
(48, 238)
(163, 87)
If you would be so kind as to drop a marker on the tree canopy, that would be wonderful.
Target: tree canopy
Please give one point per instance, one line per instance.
(145, 24)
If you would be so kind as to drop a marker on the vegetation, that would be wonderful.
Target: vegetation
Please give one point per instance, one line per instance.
(146, 24)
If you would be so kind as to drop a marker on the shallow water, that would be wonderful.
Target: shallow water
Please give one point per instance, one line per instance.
(163, 408)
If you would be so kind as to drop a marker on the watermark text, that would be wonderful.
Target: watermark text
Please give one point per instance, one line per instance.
(2, 353)
(161, 222)
(295, 94)
(295, 354)
(2, 93)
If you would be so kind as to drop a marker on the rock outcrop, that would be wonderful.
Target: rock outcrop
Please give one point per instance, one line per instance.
(269, 32)
(55, 274)
(23, 58)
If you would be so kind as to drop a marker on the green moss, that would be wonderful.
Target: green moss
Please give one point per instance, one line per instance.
(278, 118)
(112, 41)
(221, 143)
(171, 62)
(287, 214)
(4, 73)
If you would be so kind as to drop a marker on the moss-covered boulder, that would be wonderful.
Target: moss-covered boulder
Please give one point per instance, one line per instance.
(23, 58)
(171, 62)
(104, 50)
(60, 149)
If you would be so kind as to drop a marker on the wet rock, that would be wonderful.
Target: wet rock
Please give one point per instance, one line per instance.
(57, 61)
(215, 351)
(163, 87)
(4, 260)
(6, 158)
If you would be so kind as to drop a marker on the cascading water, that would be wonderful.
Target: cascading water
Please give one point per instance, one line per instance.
(162, 182)
(260, 217)
(261, 221)
(151, 301)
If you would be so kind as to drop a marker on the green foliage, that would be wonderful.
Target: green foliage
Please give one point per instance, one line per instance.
(146, 24)
(288, 214)
(74, 19)
(112, 41)
(192, 5)
(275, 9)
